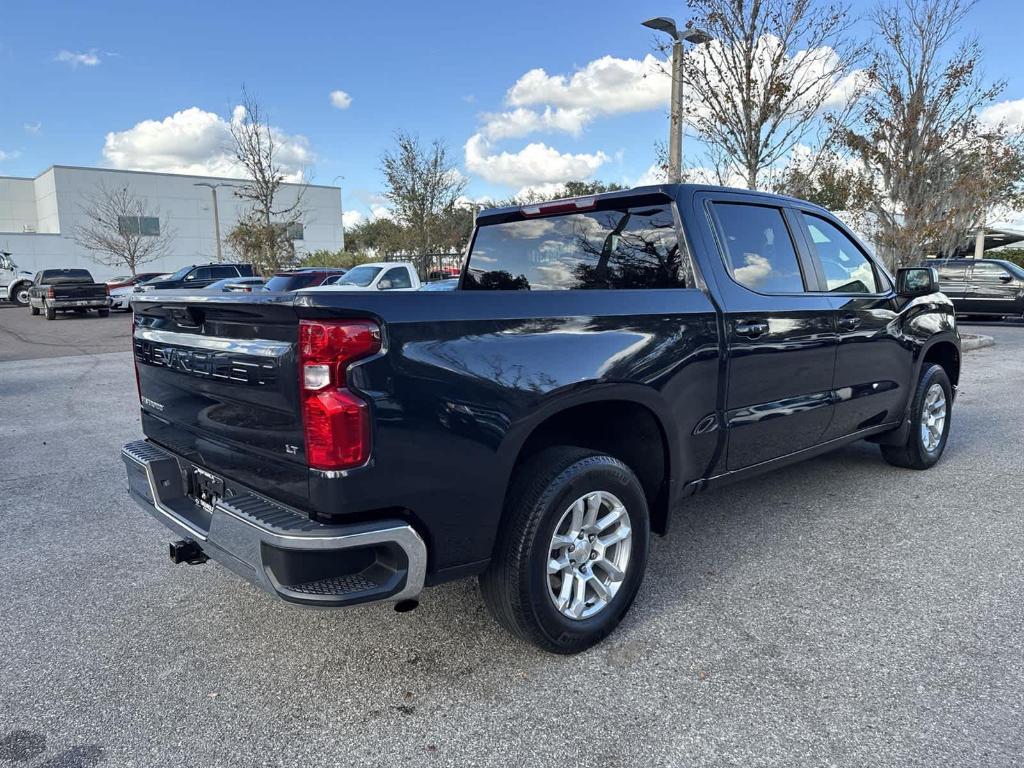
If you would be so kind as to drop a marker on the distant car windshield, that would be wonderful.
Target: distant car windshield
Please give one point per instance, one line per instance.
(293, 282)
(361, 276)
(180, 274)
(120, 279)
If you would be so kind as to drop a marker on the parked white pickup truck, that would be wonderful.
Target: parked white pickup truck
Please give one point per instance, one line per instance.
(379, 276)
(14, 282)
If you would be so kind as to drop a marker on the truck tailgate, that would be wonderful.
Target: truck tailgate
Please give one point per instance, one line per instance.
(218, 383)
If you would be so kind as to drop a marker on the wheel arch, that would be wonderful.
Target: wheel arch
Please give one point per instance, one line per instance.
(629, 422)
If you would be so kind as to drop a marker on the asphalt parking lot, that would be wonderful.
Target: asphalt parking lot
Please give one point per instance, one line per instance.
(840, 612)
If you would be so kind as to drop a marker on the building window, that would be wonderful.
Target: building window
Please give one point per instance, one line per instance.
(145, 226)
(295, 231)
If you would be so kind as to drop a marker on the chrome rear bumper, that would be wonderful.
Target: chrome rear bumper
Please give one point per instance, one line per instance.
(276, 547)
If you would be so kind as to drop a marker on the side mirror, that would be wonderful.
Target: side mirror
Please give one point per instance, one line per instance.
(917, 281)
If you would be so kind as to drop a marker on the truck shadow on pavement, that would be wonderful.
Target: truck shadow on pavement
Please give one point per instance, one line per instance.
(22, 746)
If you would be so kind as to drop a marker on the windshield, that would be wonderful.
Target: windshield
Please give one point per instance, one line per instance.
(180, 274)
(361, 276)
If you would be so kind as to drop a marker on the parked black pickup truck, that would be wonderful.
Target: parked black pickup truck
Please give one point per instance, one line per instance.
(603, 359)
(67, 290)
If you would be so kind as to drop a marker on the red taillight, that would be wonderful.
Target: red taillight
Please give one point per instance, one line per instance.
(336, 422)
(50, 294)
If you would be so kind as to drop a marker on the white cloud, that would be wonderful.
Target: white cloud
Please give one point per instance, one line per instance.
(1010, 113)
(197, 142)
(33, 127)
(604, 86)
(78, 58)
(9, 155)
(534, 164)
(522, 122)
(351, 219)
(379, 211)
(340, 99)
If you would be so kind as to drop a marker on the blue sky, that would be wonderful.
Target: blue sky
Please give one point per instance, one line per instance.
(72, 73)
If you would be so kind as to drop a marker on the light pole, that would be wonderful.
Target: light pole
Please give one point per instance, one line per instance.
(675, 130)
(216, 212)
(341, 207)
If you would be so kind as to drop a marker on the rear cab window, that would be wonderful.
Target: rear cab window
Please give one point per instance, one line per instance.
(621, 244)
(760, 254)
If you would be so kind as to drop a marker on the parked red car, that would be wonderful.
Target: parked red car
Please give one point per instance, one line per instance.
(126, 280)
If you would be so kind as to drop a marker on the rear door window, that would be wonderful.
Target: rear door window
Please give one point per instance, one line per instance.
(621, 247)
(847, 269)
(988, 272)
(219, 273)
(952, 270)
(759, 249)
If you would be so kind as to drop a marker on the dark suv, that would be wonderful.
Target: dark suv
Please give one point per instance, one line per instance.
(982, 286)
(199, 276)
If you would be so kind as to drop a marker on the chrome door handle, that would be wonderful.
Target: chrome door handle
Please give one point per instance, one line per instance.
(752, 329)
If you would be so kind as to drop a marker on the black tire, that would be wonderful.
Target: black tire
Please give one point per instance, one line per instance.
(515, 585)
(104, 312)
(34, 310)
(51, 313)
(914, 454)
(19, 294)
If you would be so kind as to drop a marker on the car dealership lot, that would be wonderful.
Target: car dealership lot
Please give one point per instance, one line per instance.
(840, 611)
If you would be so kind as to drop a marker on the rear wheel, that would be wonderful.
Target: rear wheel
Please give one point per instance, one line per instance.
(931, 410)
(104, 312)
(51, 313)
(571, 552)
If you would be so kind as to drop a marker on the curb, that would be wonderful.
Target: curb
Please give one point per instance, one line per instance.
(970, 341)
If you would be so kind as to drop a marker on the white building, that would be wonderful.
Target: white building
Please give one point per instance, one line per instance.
(38, 216)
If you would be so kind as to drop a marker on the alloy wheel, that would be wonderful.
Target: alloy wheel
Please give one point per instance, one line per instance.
(589, 555)
(933, 418)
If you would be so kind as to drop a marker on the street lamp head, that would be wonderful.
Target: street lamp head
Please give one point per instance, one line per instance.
(696, 36)
(663, 24)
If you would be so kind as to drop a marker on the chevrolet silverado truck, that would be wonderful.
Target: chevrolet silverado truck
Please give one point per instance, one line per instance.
(67, 290)
(602, 360)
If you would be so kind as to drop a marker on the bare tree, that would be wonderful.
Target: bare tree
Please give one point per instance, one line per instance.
(761, 86)
(423, 186)
(122, 230)
(264, 234)
(930, 158)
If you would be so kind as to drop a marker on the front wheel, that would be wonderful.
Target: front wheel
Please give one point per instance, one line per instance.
(571, 551)
(104, 312)
(930, 414)
(34, 310)
(20, 294)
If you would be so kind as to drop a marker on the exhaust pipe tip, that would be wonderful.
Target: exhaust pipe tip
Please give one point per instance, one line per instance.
(404, 606)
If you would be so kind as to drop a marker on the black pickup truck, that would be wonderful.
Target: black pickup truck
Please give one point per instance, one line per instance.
(603, 359)
(67, 290)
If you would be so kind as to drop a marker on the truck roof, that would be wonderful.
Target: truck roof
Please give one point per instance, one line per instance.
(669, 190)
